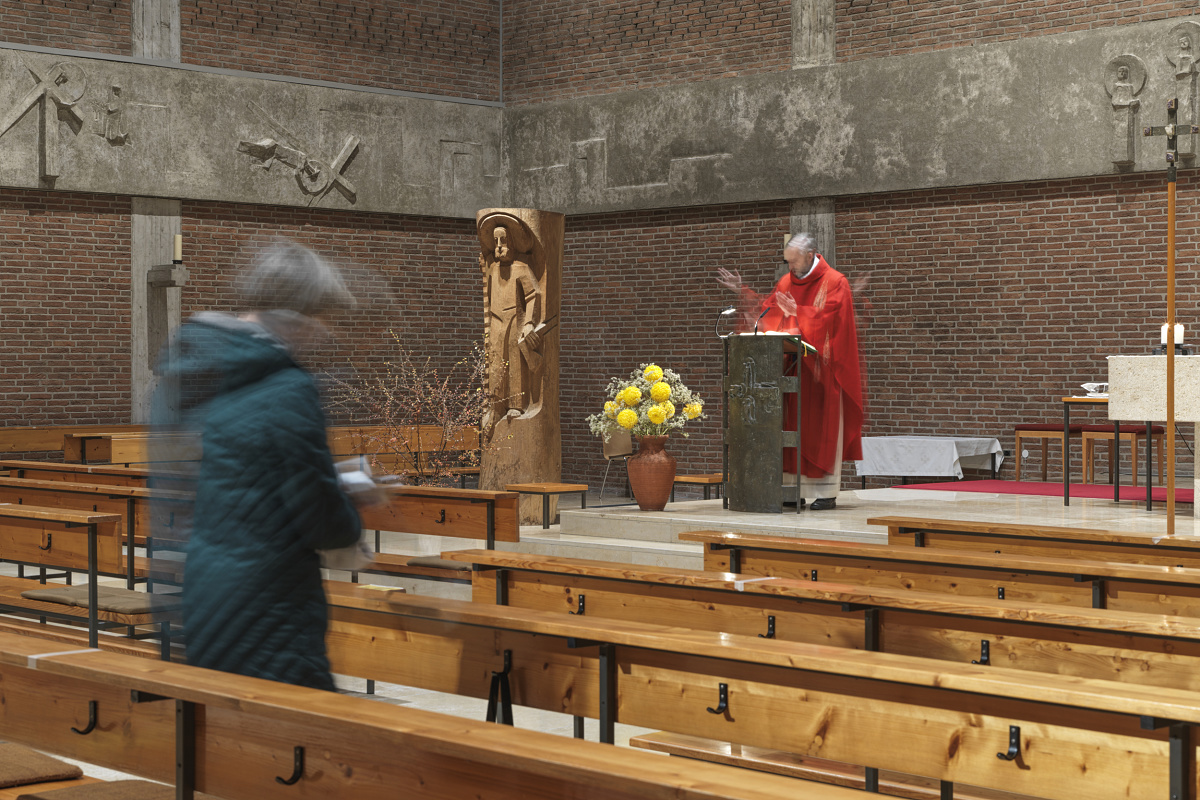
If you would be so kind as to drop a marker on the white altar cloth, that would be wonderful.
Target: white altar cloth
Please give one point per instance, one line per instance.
(927, 456)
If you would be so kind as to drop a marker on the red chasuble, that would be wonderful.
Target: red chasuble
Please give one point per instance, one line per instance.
(825, 317)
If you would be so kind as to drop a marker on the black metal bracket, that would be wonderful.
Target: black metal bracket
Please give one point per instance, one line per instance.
(578, 607)
(985, 653)
(441, 520)
(1014, 744)
(49, 542)
(91, 726)
(574, 642)
(722, 700)
(770, 634)
(1000, 593)
(814, 575)
(297, 767)
(499, 707)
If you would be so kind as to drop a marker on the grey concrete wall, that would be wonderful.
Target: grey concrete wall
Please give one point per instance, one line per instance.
(1015, 111)
(170, 132)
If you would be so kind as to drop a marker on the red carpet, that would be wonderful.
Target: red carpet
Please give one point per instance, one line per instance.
(1101, 491)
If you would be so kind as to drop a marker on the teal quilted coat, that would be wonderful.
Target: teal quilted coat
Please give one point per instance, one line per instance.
(267, 499)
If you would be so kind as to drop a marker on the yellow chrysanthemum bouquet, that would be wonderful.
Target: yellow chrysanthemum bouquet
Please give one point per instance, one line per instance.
(652, 402)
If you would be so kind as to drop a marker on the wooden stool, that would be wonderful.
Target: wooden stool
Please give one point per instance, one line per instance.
(707, 480)
(547, 489)
(1128, 433)
(1047, 432)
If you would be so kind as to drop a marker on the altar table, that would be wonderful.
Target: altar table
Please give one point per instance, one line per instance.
(927, 456)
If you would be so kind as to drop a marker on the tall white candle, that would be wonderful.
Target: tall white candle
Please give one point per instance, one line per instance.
(1178, 334)
(179, 251)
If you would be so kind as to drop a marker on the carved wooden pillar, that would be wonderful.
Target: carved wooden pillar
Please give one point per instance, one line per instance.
(521, 261)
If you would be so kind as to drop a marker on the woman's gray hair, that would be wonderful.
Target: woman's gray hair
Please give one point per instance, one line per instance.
(802, 241)
(286, 275)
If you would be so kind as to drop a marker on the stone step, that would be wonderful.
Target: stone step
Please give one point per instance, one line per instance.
(628, 522)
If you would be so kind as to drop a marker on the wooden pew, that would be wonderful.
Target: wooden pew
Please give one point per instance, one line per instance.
(1149, 649)
(104, 474)
(1068, 737)
(243, 738)
(1063, 542)
(445, 511)
(413, 451)
(81, 541)
(135, 504)
(1015, 578)
(49, 438)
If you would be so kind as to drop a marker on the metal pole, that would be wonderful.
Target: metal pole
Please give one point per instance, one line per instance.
(1170, 346)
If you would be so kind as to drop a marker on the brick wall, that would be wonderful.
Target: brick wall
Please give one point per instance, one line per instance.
(555, 49)
(435, 46)
(101, 26)
(989, 304)
(640, 287)
(416, 277)
(877, 28)
(64, 275)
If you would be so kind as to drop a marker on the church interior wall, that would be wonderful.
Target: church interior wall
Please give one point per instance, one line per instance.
(440, 47)
(639, 287)
(415, 280)
(64, 356)
(559, 49)
(878, 28)
(987, 304)
(96, 26)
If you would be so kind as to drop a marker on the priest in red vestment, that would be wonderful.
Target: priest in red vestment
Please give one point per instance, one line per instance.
(814, 299)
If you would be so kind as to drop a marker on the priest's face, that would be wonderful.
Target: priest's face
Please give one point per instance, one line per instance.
(798, 261)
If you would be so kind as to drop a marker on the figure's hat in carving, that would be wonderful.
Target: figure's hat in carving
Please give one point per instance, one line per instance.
(519, 236)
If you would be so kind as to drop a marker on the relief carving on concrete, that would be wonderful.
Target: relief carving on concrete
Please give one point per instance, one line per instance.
(586, 176)
(55, 95)
(753, 393)
(1183, 47)
(1124, 78)
(109, 118)
(314, 176)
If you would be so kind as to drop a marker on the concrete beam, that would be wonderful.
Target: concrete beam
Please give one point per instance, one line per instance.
(163, 131)
(1024, 110)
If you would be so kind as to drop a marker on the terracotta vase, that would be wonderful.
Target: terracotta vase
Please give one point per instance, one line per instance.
(651, 473)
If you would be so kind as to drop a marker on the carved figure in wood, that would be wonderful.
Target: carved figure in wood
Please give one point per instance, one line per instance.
(514, 306)
(1125, 76)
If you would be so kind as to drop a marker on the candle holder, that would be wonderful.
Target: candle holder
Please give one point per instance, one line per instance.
(1181, 349)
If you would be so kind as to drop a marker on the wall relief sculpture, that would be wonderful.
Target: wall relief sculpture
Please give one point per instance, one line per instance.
(55, 93)
(520, 256)
(1124, 77)
(315, 177)
(1183, 47)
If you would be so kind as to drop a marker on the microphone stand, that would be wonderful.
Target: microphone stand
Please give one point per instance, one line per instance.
(716, 325)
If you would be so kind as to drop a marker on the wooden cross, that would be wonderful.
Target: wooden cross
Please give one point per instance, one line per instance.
(1171, 130)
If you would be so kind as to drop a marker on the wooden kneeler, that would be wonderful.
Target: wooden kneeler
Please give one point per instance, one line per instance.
(113, 790)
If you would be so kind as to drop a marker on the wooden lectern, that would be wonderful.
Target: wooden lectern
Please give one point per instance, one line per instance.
(753, 427)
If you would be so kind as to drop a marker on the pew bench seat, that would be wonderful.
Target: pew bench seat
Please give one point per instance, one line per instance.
(433, 568)
(794, 765)
(116, 605)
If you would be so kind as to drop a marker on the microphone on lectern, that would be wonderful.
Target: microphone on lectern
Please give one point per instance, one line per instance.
(724, 313)
(760, 316)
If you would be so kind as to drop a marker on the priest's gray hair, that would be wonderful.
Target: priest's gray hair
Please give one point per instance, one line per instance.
(802, 241)
(286, 275)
